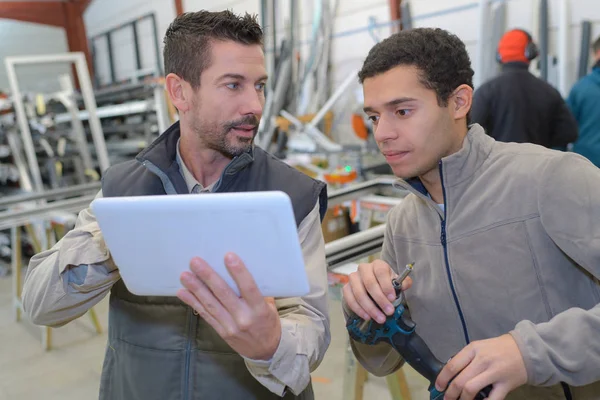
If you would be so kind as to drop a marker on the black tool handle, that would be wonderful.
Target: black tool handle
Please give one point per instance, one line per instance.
(484, 393)
(416, 353)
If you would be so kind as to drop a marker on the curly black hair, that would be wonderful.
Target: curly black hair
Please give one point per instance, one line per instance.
(440, 56)
(188, 38)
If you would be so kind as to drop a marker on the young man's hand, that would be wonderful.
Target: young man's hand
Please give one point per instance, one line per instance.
(250, 323)
(374, 279)
(496, 361)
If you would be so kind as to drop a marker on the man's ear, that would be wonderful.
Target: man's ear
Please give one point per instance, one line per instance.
(461, 101)
(176, 89)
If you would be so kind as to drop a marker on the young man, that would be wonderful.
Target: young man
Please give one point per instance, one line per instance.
(504, 236)
(518, 107)
(584, 102)
(209, 343)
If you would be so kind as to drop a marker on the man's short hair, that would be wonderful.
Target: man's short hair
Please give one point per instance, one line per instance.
(440, 57)
(188, 39)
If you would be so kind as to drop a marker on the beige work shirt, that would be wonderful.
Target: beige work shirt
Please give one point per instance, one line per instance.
(64, 282)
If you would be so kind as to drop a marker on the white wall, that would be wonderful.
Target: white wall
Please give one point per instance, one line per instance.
(520, 14)
(24, 38)
(350, 45)
(351, 39)
(103, 15)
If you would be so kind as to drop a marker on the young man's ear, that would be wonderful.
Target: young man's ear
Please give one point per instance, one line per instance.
(177, 89)
(461, 101)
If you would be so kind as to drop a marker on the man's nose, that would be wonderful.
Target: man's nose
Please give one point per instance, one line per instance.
(384, 130)
(253, 103)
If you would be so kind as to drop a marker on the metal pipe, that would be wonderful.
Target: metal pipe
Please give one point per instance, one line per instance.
(32, 160)
(563, 48)
(278, 99)
(67, 99)
(159, 66)
(406, 15)
(88, 97)
(111, 61)
(351, 192)
(76, 190)
(544, 39)
(162, 114)
(12, 218)
(350, 79)
(584, 50)
(274, 28)
(89, 101)
(350, 241)
(131, 107)
(354, 247)
(498, 29)
(136, 45)
(482, 34)
(15, 149)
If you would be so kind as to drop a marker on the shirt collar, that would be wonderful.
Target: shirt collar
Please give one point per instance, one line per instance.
(190, 181)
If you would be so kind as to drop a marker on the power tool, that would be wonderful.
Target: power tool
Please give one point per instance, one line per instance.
(398, 330)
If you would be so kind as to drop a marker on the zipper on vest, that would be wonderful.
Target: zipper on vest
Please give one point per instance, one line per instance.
(188, 354)
(445, 245)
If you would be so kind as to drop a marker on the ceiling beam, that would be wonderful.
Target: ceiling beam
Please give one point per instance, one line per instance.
(396, 15)
(85, 4)
(178, 7)
(47, 13)
(76, 35)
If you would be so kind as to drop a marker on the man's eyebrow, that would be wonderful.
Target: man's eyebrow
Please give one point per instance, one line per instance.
(231, 76)
(239, 77)
(391, 103)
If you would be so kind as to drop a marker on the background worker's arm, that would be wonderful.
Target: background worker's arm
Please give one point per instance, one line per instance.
(481, 110)
(567, 349)
(305, 333)
(64, 282)
(573, 102)
(379, 359)
(565, 129)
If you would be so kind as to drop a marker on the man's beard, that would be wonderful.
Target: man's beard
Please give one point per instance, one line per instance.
(216, 139)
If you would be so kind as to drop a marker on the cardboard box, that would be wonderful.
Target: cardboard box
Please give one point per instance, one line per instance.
(373, 210)
(336, 224)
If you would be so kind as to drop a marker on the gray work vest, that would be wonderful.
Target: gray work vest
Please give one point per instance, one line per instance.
(157, 347)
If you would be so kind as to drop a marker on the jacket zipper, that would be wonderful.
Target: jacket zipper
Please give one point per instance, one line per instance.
(188, 351)
(444, 244)
(567, 391)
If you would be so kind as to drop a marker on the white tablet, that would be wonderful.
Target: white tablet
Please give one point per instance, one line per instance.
(153, 238)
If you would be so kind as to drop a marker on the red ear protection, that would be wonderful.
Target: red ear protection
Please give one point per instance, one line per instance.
(516, 45)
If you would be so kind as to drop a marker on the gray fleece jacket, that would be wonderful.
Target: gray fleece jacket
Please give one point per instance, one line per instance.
(517, 250)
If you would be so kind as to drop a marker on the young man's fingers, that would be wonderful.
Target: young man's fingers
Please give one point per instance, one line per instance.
(454, 367)
(456, 388)
(363, 298)
(373, 285)
(407, 283)
(383, 273)
(352, 304)
(480, 382)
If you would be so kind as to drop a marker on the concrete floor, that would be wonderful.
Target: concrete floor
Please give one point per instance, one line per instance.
(72, 369)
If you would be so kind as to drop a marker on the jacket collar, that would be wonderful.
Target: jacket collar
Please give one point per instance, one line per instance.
(515, 66)
(463, 164)
(162, 154)
(460, 166)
